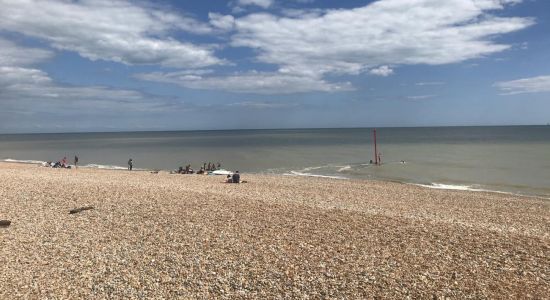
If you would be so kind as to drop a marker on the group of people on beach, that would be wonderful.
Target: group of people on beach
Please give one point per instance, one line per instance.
(211, 167)
(203, 170)
(61, 163)
(206, 169)
(186, 170)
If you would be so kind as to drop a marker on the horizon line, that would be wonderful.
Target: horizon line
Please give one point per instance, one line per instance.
(258, 129)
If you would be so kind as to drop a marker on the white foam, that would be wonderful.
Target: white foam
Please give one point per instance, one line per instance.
(344, 168)
(314, 168)
(295, 173)
(442, 186)
(93, 166)
(22, 161)
(105, 167)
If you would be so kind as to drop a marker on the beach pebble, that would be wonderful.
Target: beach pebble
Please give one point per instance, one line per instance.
(193, 237)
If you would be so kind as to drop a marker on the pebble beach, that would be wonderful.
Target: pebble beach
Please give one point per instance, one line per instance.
(173, 236)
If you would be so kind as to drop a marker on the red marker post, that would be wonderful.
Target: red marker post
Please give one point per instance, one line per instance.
(375, 150)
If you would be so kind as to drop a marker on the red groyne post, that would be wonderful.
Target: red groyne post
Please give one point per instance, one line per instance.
(375, 150)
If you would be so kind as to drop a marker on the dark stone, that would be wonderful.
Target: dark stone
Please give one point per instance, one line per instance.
(5, 223)
(77, 210)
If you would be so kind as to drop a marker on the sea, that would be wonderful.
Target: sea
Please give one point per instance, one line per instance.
(506, 159)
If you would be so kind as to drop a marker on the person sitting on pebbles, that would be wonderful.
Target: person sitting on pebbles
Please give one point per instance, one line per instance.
(228, 179)
(236, 178)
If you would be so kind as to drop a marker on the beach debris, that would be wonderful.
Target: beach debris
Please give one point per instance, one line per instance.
(77, 210)
(5, 223)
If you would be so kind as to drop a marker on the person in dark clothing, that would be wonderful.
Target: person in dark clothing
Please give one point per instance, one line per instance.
(75, 161)
(130, 164)
(236, 177)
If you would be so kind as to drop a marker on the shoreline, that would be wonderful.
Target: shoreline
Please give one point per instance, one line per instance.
(164, 236)
(434, 186)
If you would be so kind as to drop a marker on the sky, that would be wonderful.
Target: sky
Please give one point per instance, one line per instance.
(114, 65)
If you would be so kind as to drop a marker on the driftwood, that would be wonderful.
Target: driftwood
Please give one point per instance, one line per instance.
(5, 223)
(77, 210)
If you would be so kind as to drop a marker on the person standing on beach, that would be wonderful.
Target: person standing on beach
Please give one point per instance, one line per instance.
(75, 161)
(130, 164)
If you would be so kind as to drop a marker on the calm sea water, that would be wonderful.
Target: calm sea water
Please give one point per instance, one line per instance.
(512, 159)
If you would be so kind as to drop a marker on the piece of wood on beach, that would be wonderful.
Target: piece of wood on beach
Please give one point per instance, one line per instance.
(5, 223)
(77, 210)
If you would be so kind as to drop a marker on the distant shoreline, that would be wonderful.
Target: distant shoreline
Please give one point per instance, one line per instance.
(448, 188)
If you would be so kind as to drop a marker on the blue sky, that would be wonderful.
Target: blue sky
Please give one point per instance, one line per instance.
(185, 65)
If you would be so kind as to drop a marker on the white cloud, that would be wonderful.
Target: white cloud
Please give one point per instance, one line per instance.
(307, 46)
(25, 89)
(420, 97)
(429, 83)
(251, 82)
(223, 22)
(524, 46)
(34, 90)
(17, 76)
(260, 3)
(386, 32)
(538, 84)
(263, 105)
(382, 71)
(120, 31)
(12, 55)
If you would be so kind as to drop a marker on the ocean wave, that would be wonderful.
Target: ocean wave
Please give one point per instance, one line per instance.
(314, 168)
(23, 161)
(105, 167)
(442, 186)
(296, 173)
(471, 188)
(92, 166)
(343, 168)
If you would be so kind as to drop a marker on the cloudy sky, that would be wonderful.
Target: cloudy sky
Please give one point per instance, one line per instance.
(105, 65)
